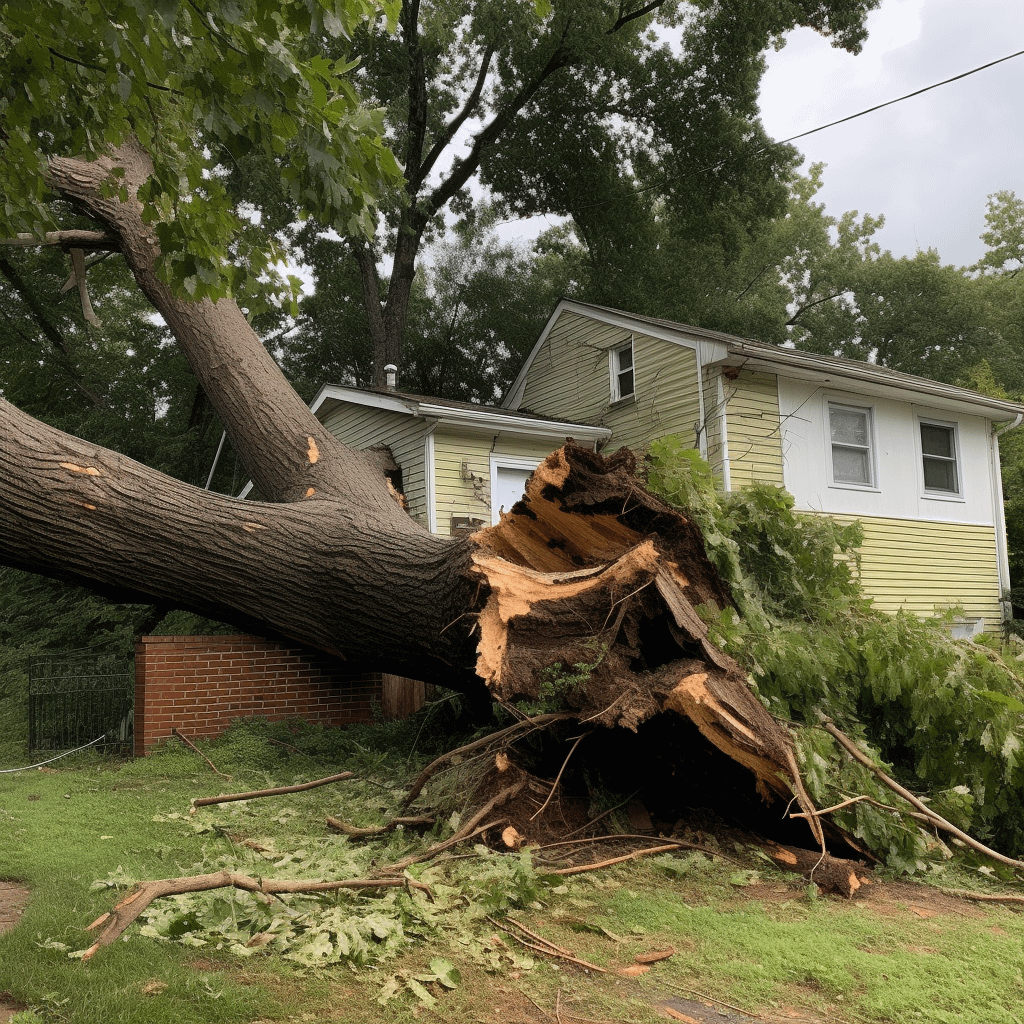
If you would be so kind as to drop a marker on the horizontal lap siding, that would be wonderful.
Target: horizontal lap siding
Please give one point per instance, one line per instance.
(667, 399)
(754, 435)
(454, 496)
(714, 438)
(569, 379)
(362, 427)
(928, 567)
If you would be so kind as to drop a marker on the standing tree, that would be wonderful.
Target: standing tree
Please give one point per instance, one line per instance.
(577, 108)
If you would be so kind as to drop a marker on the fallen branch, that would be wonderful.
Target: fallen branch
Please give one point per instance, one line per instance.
(469, 829)
(548, 948)
(188, 743)
(358, 832)
(558, 778)
(933, 818)
(255, 794)
(423, 778)
(129, 908)
(614, 860)
(680, 843)
(985, 897)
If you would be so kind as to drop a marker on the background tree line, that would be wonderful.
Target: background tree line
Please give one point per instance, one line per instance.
(669, 199)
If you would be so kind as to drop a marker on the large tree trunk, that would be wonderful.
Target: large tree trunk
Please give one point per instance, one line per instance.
(588, 571)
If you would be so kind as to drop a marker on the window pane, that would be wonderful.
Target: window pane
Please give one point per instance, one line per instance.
(937, 440)
(625, 358)
(625, 383)
(850, 465)
(940, 475)
(849, 426)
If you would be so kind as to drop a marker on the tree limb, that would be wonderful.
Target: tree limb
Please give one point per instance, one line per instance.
(933, 818)
(129, 908)
(206, 801)
(95, 241)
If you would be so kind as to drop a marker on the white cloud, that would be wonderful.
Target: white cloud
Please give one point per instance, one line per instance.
(929, 162)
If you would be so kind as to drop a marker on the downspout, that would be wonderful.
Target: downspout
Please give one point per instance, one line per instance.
(430, 482)
(1002, 555)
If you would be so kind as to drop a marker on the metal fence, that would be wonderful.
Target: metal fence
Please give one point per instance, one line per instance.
(75, 698)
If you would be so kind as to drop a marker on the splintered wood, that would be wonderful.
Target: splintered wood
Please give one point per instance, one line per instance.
(592, 578)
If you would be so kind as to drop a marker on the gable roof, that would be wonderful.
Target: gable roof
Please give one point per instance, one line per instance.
(719, 348)
(467, 415)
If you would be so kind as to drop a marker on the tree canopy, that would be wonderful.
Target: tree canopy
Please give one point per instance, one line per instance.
(198, 86)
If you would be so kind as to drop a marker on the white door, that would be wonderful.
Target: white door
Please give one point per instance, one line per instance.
(507, 486)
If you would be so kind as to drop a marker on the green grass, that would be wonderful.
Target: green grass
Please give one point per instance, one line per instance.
(756, 941)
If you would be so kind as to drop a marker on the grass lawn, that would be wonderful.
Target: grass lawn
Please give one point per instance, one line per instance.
(747, 941)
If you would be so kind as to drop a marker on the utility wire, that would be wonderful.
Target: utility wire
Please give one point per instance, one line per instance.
(67, 753)
(812, 131)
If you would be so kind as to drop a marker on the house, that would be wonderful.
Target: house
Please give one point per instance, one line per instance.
(915, 461)
(458, 464)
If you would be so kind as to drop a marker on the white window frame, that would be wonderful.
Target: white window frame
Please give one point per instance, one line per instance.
(869, 413)
(615, 372)
(958, 464)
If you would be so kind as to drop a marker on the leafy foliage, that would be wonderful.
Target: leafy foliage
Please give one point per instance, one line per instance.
(234, 74)
(944, 715)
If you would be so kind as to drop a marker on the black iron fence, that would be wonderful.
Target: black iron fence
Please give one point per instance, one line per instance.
(75, 698)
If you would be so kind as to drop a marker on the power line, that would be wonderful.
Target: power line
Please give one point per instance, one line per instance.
(812, 131)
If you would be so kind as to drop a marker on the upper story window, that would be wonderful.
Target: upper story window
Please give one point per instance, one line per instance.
(939, 458)
(623, 385)
(853, 461)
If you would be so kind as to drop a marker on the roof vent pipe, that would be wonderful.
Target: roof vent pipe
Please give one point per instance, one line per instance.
(391, 372)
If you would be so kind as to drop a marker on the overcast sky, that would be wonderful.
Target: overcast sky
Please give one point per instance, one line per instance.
(927, 164)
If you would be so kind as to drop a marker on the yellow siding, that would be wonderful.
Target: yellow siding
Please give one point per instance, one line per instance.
(569, 379)
(522, 447)
(753, 429)
(714, 435)
(454, 496)
(927, 568)
(361, 426)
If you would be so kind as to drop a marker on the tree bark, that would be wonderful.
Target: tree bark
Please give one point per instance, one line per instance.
(589, 580)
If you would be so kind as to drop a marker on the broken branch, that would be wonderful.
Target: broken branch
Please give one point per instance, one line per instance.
(614, 860)
(358, 832)
(255, 794)
(548, 949)
(535, 723)
(129, 908)
(933, 818)
(188, 743)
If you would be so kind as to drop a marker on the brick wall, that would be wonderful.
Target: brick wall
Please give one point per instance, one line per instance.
(200, 684)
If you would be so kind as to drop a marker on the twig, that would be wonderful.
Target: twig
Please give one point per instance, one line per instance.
(712, 999)
(985, 897)
(424, 776)
(933, 818)
(375, 830)
(533, 935)
(255, 794)
(129, 908)
(558, 778)
(188, 743)
(467, 830)
(553, 951)
(680, 843)
(614, 860)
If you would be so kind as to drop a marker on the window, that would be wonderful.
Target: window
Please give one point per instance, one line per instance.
(622, 372)
(938, 454)
(850, 433)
